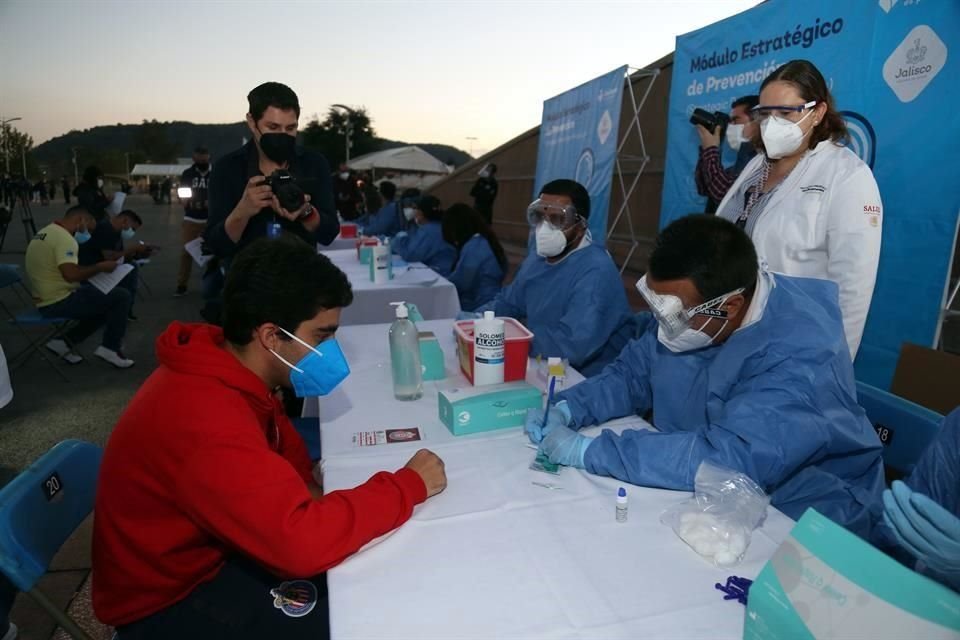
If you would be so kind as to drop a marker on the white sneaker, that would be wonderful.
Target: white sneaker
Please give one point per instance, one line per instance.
(11, 633)
(113, 357)
(63, 350)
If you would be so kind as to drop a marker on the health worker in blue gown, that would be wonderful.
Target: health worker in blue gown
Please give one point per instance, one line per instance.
(480, 263)
(569, 292)
(741, 367)
(922, 513)
(390, 219)
(424, 241)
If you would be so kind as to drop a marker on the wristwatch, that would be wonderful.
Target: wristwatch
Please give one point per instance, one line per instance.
(307, 212)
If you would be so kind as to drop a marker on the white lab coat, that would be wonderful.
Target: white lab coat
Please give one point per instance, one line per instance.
(824, 221)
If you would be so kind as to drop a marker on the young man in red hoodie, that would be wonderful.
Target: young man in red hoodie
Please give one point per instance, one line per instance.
(208, 521)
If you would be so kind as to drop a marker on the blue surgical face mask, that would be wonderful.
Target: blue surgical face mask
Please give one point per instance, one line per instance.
(81, 236)
(320, 371)
(127, 234)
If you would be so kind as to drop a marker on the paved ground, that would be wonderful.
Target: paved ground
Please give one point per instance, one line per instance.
(46, 410)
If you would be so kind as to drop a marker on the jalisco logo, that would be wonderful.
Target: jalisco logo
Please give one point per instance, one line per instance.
(915, 63)
(917, 53)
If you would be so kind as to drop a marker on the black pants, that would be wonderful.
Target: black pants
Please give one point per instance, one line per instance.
(242, 602)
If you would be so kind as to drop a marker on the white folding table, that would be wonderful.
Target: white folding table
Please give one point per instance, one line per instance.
(434, 295)
(496, 555)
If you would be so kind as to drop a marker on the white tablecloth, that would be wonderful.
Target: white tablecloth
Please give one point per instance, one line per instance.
(434, 295)
(338, 244)
(497, 556)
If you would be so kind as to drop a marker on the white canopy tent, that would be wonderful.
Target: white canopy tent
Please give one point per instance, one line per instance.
(405, 166)
(154, 170)
(410, 159)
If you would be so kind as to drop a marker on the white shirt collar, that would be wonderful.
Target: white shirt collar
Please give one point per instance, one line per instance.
(761, 294)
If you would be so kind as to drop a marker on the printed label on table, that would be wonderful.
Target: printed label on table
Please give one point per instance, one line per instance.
(385, 436)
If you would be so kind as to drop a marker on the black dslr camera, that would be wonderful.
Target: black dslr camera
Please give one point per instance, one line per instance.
(289, 193)
(709, 121)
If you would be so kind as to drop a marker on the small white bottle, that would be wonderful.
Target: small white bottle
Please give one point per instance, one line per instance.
(622, 505)
(557, 371)
(405, 356)
(488, 350)
(380, 262)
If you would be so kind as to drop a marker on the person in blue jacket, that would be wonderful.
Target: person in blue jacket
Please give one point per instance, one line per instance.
(481, 263)
(424, 243)
(743, 368)
(922, 513)
(389, 220)
(569, 293)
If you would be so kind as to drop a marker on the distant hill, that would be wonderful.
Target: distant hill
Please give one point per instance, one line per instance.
(107, 145)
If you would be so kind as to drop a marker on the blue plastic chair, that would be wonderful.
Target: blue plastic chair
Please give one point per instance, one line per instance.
(39, 510)
(905, 428)
(11, 279)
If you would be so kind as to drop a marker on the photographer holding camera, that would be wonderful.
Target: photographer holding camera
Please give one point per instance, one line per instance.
(270, 185)
(712, 179)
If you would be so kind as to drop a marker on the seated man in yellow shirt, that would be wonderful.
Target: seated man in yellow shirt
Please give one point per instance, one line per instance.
(60, 289)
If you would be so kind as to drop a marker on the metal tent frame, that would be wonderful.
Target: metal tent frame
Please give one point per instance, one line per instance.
(950, 295)
(633, 74)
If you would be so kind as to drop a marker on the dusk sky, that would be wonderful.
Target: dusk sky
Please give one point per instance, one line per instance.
(426, 71)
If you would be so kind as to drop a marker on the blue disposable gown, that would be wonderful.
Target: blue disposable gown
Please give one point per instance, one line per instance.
(776, 401)
(385, 222)
(937, 476)
(427, 245)
(477, 274)
(576, 308)
(399, 244)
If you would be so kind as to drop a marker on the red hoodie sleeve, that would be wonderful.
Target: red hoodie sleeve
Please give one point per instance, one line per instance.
(255, 501)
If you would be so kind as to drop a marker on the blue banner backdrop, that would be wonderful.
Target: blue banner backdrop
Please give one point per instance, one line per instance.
(888, 67)
(579, 132)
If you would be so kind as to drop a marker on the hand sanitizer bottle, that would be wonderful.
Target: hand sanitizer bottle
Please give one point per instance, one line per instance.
(405, 356)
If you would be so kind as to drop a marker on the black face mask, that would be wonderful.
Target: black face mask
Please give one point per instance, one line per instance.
(203, 166)
(279, 147)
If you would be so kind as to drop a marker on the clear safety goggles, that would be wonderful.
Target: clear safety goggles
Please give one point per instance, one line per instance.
(670, 313)
(763, 111)
(561, 217)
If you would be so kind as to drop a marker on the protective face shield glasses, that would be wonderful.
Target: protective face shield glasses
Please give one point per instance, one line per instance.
(559, 216)
(763, 111)
(670, 313)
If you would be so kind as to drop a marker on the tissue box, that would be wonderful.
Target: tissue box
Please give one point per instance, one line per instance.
(475, 409)
(365, 249)
(431, 356)
(825, 582)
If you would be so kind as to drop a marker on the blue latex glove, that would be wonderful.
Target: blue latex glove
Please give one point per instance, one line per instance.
(468, 315)
(925, 529)
(400, 234)
(534, 427)
(565, 446)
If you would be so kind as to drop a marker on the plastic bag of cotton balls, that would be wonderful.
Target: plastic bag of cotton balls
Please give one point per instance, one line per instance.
(718, 521)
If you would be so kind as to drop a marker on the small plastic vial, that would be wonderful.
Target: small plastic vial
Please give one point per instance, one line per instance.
(622, 505)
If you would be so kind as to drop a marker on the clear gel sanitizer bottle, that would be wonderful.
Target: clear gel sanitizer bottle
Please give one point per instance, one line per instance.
(405, 356)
